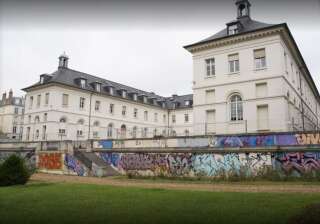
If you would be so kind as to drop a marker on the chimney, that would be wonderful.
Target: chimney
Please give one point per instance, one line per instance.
(4, 96)
(10, 95)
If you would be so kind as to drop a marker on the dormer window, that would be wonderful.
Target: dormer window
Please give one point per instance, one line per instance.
(233, 29)
(135, 97)
(145, 99)
(124, 94)
(187, 103)
(98, 87)
(83, 83)
(41, 79)
(111, 90)
(163, 104)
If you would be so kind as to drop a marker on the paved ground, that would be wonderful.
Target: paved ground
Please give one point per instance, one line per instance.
(225, 187)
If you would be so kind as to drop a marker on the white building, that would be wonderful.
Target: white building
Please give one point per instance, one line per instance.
(11, 116)
(249, 77)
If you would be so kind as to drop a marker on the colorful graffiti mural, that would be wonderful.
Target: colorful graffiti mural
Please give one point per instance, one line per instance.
(50, 161)
(75, 165)
(220, 141)
(187, 164)
(297, 163)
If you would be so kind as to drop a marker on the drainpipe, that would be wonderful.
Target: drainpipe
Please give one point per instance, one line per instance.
(89, 131)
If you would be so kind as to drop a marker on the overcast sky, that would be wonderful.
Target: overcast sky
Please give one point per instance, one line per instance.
(137, 43)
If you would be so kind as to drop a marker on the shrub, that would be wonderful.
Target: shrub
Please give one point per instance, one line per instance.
(13, 171)
(309, 215)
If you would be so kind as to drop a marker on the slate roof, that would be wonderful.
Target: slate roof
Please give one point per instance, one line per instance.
(70, 77)
(247, 25)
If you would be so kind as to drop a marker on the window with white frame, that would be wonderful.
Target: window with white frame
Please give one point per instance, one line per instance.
(236, 108)
(83, 83)
(82, 102)
(45, 117)
(260, 58)
(173, 117)
(110, 130)
(145, 115)
(98, 87)
(79, 132)
(62, 131)
(186, 118)
(135, 113)
(30, 102)
(111, 91)
(111, 108)
(155, 117)
(233, 29)
(144, 132)
(164, 118)
(124, 94)
(38, 100)
(16, 110)
(46, 100)
(210, 67)
(14, 130)
(97, 105)
(124, 110)
(65, 100)
(233, 63)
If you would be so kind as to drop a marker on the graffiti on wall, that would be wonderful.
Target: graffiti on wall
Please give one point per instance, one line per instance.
(297, 163)
(50, 161)
(75, 165)
(187, 164)
(259, 140)
(28, 156)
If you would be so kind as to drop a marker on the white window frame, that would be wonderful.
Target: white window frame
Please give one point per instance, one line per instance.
(210, 67)
(234, 64)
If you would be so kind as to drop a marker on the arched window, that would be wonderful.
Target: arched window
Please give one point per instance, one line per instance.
(96, 124)
(242, 10)
(63, 120)
(123, 131)
(134, 132)
(80, 122)
(109, 131)
(236, 109)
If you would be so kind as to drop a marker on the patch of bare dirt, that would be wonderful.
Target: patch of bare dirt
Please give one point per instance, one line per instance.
(229, 187)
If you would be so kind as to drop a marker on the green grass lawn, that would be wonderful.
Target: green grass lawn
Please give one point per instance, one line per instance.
(83, 203)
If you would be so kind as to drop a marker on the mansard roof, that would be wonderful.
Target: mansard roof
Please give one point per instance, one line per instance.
(70, 77)
(247, 25)
(15, 101)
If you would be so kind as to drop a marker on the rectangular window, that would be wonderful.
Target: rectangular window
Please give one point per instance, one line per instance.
(46, 100)
(164, 118)
(173, 118)
(261, 89)
(62, 131)
(38, 100)
(83, 83)
(65, 100)
(233, 29)
(210, 67)
(155, 117)
(135, 113)
(82, 103)
(45, 117)
(111, 108)
(14, 130)
(97, 105)
(16, 110)
(146, 115)
(29, 119)
(124, 94)
(186, 118)
(124, 110)
(79, 132)
(98, 87)
(233, 63)
(259, 58)
(210, 96)
(31, 102)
